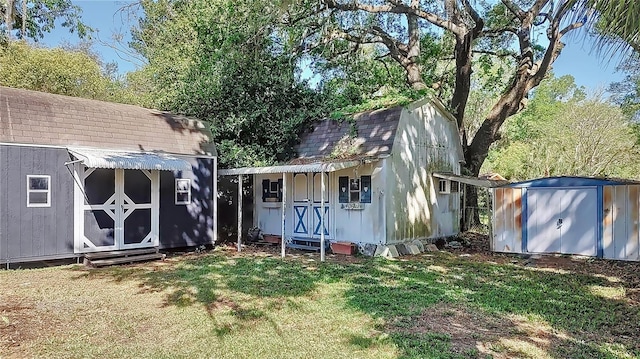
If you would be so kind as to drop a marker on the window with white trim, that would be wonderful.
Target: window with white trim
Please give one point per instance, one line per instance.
(183, 191)
(354, 189)
(443, 186)
(38, 191)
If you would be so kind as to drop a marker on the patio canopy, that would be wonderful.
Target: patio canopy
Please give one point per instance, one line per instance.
(132, 160)
(310, 167)
(474, 181)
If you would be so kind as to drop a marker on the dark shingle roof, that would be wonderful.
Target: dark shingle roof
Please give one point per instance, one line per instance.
(31, 117)
(374, 133)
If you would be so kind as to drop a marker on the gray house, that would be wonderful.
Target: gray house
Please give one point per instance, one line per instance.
(79, 176)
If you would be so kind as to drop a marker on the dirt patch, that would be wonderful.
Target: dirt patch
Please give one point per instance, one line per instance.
(18, 324)
(483, 334)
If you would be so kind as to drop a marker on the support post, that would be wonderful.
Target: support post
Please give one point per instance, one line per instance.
(322, 192)
(284, 214)
(239, 213)
(214, 205)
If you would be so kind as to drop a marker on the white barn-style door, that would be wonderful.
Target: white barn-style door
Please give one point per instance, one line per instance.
(116, 209)
(562, 221)
(307, 205)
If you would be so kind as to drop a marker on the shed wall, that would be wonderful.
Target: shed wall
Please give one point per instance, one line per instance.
(365, 225)
(191, 224)
(35, 233)
(507, 220)
(426, 142)
(620, 237)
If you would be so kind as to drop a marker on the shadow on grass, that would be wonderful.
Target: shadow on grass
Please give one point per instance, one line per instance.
(401, 293)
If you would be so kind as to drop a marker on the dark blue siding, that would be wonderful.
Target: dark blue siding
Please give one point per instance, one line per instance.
(187, 225)
(35, 233)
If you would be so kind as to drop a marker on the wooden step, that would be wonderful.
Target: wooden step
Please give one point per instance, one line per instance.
(128, 259)
(308, 244)
(129, 252)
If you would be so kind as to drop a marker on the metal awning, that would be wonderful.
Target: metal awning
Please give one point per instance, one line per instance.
(310, 167)
(131, 160)
(474, 181)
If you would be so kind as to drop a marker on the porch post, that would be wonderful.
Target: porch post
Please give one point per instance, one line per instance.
(214, 205)
(284, 213)
(322, 254)
(239, 213)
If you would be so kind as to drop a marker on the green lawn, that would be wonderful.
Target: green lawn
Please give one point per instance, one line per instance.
(255, 305)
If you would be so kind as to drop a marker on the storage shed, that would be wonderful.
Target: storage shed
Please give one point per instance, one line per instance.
(81, 176)
(367, 181)
(569, 215)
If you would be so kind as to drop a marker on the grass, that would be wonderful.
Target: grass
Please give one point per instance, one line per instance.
(255, 305)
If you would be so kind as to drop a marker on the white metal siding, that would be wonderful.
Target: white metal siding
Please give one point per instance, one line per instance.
(507, 220)
(620, 222)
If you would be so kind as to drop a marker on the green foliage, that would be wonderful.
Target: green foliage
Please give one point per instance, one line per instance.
(564, 132)
(41, 18)
(224, 62)
(57, 71)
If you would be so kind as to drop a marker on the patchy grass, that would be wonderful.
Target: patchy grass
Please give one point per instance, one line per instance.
(255, 305)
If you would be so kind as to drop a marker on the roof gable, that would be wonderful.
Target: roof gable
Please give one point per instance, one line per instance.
(32, 117)
(374, 132)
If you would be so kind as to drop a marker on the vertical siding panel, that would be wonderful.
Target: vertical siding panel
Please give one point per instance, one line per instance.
(620, 222)
(16, 203)
(607, 232)
(632, 222)
(499, 222)
(508, 220)
(3, 203)
(39, 158)
(517, 221)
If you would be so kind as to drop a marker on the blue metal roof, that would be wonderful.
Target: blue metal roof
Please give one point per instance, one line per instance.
(567, 181)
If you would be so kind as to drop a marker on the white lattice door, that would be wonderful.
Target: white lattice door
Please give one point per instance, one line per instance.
(116, 209)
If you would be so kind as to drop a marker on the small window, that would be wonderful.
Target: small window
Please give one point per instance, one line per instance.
(271, 190)
(443, 186)
(38, 191)
(454, 187)
(183, 191)
(354, 190)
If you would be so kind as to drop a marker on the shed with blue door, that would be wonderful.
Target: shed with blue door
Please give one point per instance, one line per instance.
(568, 215)
(370, 180)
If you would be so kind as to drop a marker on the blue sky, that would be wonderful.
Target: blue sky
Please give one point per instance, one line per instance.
(576, 59)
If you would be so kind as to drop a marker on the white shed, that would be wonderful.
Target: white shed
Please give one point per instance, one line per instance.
(376, 173)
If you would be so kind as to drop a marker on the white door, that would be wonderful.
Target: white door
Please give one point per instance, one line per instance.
(116, 209)
(562, 221)
(544, 210)
(580, 221)
(307, 206)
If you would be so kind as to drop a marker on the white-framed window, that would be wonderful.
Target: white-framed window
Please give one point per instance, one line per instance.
(38, 191)
(183, 191)
(443, 186)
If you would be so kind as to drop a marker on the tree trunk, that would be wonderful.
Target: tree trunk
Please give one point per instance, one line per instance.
(9, 17)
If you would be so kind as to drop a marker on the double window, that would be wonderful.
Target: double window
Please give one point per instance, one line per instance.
(38, 191)
(354, 190)
(446, 186)
(271, 190)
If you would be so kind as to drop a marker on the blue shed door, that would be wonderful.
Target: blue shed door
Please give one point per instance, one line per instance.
(307, 209)
(562, 221)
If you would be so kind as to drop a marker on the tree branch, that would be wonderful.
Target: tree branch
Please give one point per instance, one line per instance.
(515, 10)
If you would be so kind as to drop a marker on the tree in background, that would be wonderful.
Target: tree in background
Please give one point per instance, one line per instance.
(226, 62)
(565, 132)
(58, 71)
(476, 33)
(33, 18)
